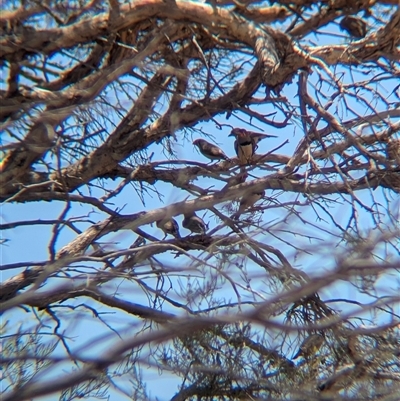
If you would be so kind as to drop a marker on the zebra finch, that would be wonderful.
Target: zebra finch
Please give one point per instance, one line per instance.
(310, 346)
(169, 226)
(246, 143)
(194, 223)
(209, 150)
(354, 26)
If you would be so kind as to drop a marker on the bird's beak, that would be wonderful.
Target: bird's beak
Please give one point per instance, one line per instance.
(231, 134)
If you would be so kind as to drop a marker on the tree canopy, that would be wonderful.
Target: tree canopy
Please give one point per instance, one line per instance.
(261, 264)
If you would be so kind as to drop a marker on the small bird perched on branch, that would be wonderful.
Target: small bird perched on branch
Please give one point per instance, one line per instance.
(194, 223)
(246, 143)
(353, 348)
(354, 26)
(169, 226)
(310, 346)
(248, 201)
(393, 149)
(237, 179)
(209, 150)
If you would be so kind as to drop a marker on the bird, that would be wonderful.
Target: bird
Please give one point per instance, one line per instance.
(169, 226)
(209, 150)
(353, 348)
(310, 346)
(246, 143)
(393, 149)
(194, 223)
(235, 180)
(248, 201)
(354, 26)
